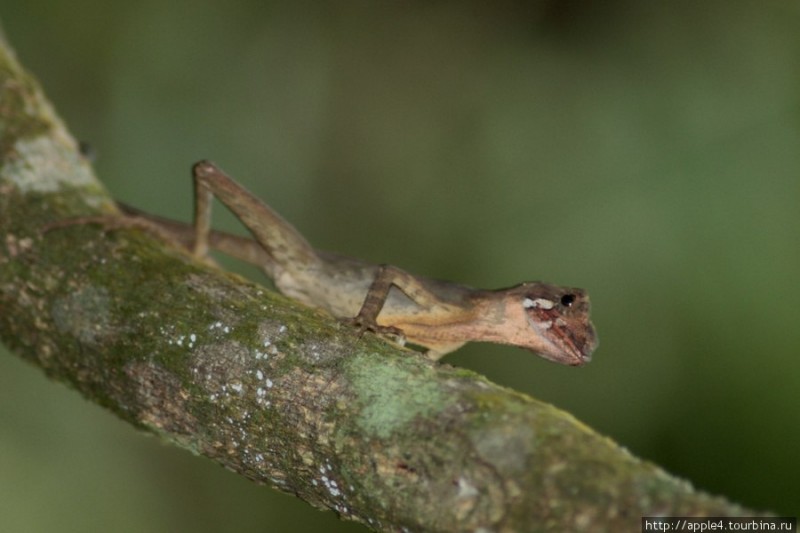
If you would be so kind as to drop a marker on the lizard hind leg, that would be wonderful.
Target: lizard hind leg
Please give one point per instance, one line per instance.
(117, 222)
(279, 239)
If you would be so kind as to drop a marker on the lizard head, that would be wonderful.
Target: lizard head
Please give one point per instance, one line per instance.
(557, 324)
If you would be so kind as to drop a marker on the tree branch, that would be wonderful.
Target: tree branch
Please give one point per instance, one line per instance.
(277, 392)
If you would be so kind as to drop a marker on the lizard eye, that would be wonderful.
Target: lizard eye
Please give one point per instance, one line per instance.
(567, 300)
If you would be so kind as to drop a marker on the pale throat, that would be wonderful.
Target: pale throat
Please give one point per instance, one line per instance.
(505, 321)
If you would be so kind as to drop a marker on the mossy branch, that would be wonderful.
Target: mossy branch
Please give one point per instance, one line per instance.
(277, 392)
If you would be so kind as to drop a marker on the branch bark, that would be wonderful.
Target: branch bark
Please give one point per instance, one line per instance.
(277, 392)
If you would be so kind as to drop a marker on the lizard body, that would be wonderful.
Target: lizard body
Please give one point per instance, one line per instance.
(440, 316)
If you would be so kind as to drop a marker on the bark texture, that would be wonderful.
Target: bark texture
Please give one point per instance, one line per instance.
(277, 392)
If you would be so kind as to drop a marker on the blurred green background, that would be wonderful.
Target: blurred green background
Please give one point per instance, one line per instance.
(648, 151)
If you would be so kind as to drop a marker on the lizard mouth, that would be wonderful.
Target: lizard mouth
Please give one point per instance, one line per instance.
(570, 340)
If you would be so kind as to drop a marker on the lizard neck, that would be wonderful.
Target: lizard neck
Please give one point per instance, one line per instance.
(499, 318)
(490, 322)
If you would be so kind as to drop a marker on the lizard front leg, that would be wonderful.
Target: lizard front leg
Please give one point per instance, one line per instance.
(386, 277)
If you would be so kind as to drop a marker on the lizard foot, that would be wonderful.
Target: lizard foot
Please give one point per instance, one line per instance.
(362, 325)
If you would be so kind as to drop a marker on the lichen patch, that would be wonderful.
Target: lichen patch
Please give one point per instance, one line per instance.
(506, 446)
(392, 395)
(84, 314)
(44, 165)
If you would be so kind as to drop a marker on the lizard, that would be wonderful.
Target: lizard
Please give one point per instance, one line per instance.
(438, 316)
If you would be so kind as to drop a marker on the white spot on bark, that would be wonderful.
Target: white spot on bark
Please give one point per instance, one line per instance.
(466, 489)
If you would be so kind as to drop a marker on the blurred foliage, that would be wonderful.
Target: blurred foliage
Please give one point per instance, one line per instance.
(647, 151)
